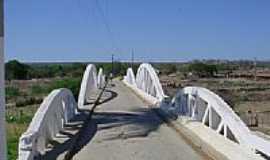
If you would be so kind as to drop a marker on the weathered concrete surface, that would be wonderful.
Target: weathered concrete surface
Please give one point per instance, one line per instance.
(211, 143)
(200, 136)
(128, 130)
(57, 109)
(220, 147)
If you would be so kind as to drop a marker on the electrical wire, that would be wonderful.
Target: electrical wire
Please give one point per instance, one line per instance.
(96, 10)
(107, 26)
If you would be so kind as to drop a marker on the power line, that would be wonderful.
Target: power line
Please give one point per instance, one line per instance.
(103, 19)
(107, 26)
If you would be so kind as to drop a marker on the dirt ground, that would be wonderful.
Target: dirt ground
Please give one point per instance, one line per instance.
(243, 95)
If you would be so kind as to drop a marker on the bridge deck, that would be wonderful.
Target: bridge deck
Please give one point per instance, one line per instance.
(127, 130)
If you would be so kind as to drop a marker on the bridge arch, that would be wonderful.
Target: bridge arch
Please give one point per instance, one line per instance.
(148, 81)
(205, 106)
(130, 77)
(89, 84)
(199, 104)
(100, 78)
(57, 109)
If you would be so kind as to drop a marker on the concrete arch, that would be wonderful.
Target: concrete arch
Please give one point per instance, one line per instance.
(205, 106)
(55, 111)
(89, 84)
(148, 81)
(130, 77)
(100, 78)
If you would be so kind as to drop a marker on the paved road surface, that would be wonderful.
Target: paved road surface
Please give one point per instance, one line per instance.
(128, 130)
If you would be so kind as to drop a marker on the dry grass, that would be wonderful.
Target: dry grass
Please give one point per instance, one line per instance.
(241, 94)
(18, 120)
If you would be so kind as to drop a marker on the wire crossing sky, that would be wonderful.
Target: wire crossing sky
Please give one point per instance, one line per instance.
(157, 30)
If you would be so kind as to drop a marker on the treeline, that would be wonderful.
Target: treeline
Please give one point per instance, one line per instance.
(118, 69)
(23, 71)
(197, 68)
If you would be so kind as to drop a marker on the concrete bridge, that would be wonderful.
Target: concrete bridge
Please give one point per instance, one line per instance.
(133, 119)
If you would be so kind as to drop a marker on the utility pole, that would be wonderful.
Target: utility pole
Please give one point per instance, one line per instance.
(132, 59)
(255, 69)
(112, 65)
(3, 151)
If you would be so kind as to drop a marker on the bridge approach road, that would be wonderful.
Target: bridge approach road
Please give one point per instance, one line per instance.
(128, 130)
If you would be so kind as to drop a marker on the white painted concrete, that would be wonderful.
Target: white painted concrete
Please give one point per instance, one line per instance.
(220, 116)
(215, 145)
(89, 84)
(147, 80)
(56, 110)
(201, 105)
(130, 77)
(100, 78)
(149, 98)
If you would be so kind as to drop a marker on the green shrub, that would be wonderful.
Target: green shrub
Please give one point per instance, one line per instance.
(70, 83)
(165, 68)
(12, 92)
(19, 117)
(202, 69)
(38, 90)
(14, 131)
(28, 101)
(16, 70)
(12, 144)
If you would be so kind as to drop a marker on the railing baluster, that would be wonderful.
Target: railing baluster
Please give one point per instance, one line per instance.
(206, 114)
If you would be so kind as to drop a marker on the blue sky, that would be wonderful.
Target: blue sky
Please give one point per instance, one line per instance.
(178, 30)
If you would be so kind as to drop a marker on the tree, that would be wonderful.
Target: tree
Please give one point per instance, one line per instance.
(169, 69)
(202, 69)
(16, 70)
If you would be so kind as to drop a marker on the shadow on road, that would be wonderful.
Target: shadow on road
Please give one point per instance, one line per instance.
(124, 125)
(120, 125)
(107, 96)
(71, 134)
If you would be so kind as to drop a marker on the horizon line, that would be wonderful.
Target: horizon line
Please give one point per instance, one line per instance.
(135, 61)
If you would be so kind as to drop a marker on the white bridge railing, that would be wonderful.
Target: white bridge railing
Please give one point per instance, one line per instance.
(91, 83)
(55, 111)
(200, 105)
(146, 82)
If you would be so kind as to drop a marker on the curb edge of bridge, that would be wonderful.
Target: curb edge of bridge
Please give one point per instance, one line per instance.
(182, 131)
(198, 144)
(192, 139)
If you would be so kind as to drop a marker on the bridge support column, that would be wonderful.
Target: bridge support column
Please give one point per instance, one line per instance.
(2, 86)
